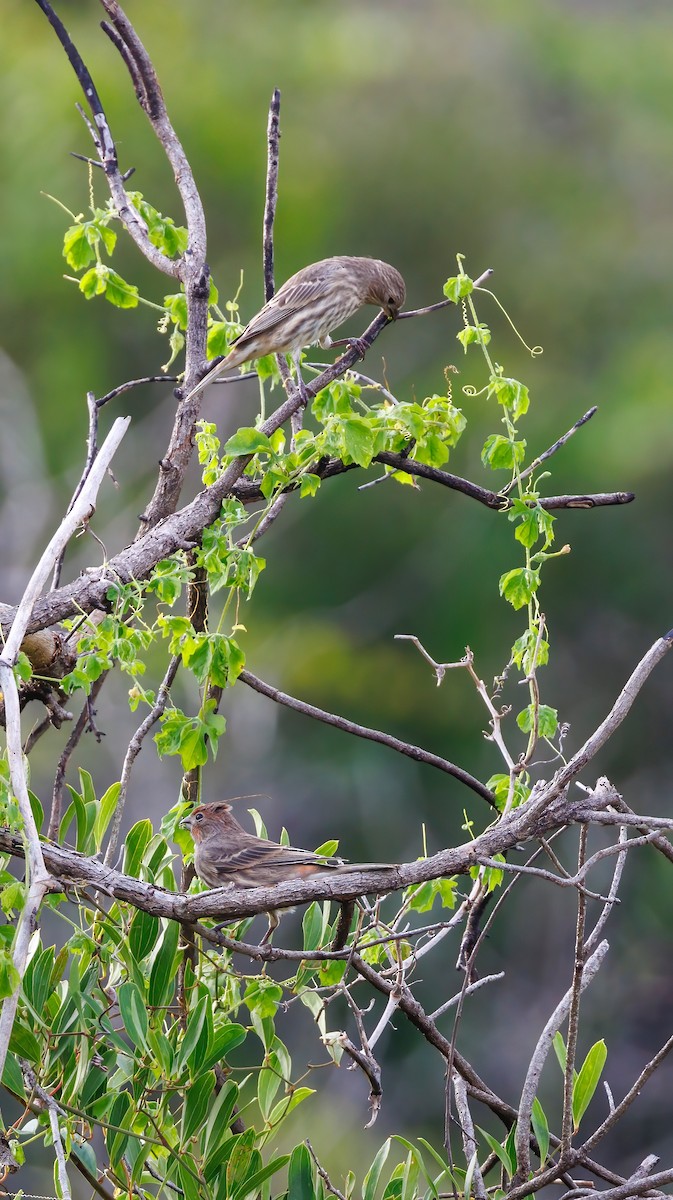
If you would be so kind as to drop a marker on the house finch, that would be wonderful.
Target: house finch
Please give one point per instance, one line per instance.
(309, 305)
(225, 854)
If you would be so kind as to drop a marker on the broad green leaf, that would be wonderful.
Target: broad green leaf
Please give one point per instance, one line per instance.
(250, 1186)
(106, 808)
(12, 1077)
(371, 1180)
(143, 934)
(197, 1097)
(225, 1039)
(195, 1024)
(560, 1050)
(587, 1080)
(358, 440)
(24, 1043)
(247, 441)
(134, 1013)
(117, 1141)
(458, 286)
(162, 975)
(547, 720)
(135, 845)
(286, 1105)
(300, 1175)
(219, 1118)
(497, 1149)
(541, 1130)
(519, 586)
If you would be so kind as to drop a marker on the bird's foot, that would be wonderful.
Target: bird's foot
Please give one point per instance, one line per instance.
(359, 344)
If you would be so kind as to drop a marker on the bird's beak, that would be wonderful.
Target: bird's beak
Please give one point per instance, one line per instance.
(186, 822)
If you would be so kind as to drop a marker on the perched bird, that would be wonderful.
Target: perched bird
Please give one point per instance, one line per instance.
(309, 305)
(224, 853)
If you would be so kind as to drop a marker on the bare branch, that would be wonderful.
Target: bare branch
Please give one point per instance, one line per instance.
(538, 1059)
(133, 751)
(467, 1132)
(552, 449)
(372, 735)
(273, 138)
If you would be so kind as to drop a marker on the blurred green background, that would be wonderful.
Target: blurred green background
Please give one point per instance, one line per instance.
(537, 139)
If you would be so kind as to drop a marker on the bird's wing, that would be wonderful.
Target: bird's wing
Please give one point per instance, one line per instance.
(289, 299)
(262, 853)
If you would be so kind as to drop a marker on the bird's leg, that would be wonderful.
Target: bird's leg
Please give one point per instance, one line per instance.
(274, 922)
(296, 359)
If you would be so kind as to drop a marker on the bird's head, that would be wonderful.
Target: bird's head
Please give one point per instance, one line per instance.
(205, 819)
(387, 288)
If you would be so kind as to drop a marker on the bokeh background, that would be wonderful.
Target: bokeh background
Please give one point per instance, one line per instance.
(536, 139)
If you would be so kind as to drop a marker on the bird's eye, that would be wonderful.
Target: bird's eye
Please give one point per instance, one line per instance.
(198, 816)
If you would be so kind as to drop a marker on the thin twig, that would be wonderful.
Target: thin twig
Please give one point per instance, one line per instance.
(271, 198)
(82, 723)
(422, 312)
(472, 987)
(372, 735)
(323, 1173)
(552, 449)
(617, 1111)
(133, 751)
(574, 1009)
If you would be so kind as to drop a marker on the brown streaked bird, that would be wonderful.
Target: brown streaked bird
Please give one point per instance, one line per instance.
(310, 305)
(224, 853)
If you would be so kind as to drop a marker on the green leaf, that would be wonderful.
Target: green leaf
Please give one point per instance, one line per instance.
(309, 484)
(358, 441)
(195, 1023)
(288, 1104)
(137, 840)
(500, 453)
(37, 980)
(162, 975)
(116, 1141)
(197, 1098)
(10, 979)
(77, 250)
(458, 286)
(143, 934)
(219, 1119)
(547, 720)
(23, 1042)
(225, 1039)
(560, 1050)
(106, 808)
(541, 1130)
(511, 394)
(133, 1013)
(300, 1175)
(12, 1077)
(519, 586)
(587, 1080)
(252, 1183)
(262, 996)
(247, 441)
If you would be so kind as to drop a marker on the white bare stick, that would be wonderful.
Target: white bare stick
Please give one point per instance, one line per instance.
(38, 878)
